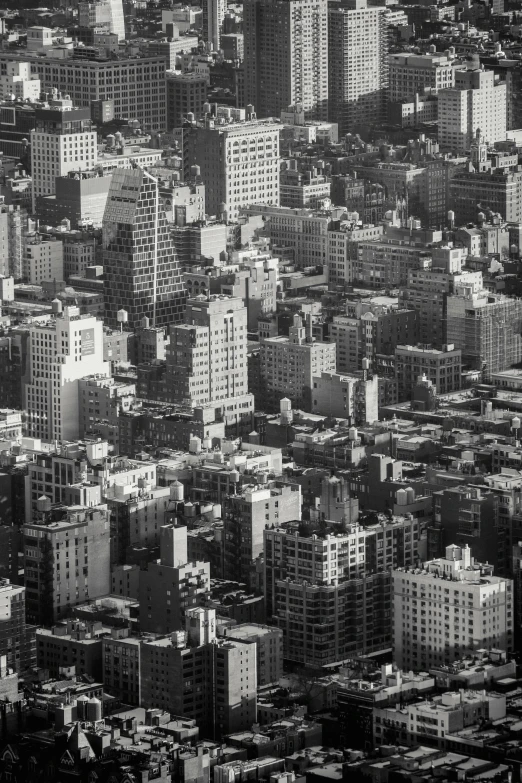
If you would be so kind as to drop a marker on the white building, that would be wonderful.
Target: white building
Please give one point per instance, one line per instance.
(60, 352)
(18, 81)
(239, 163)
(43, 259)
(63, 140)
(476, 102)
(105, 16)
(448, 609)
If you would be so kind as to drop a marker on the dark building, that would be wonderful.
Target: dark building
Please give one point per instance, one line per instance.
(142, 272)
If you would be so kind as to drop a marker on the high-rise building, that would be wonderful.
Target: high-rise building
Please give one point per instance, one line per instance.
(476, 102)
(286, 56)
(223, 150)
(449, 609)
(104, 16)
(213, 16)
(171, 586)
(192, 673)
(63, 139)
(100, 79)
(186, 94)
(60, 352)
(358, 65)
(17, 640)
(12, 223)
(207, 359)
(67, 560)
(142, 274)
(329, 590)
(246, 514)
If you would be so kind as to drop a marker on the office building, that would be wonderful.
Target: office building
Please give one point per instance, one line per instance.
(448, 609)
(213, 16)
(193, 674)
(300, 189)
(288, 364)
(63, 140)
(222, 150)
(357, 65)
(141, 270)
(121, 660)
(477, 101)
(16, 79)
(423, 74)
(486, 328)
(80, 197)
(17, 639)
(186, 94)
(286, 56)
(104, 16)
(171, 585)
(442, 367)
(67, 560)
(60, 352)
(98, 80)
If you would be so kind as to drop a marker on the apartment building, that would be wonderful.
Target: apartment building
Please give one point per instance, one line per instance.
(477, 101)
(286, 56)
(330, 592)
(357, 64)
(448, 609)
(171, 585)
(63, 139)
(67, 560)
(192, 673)
(246, 514)
(410, 74)
(60, 352)
(288, 364)
(443, 368)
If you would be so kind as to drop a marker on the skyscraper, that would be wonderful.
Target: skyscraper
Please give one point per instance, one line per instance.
(105, 16)
(358, 65)
(213, 15)
(286, 56)
(59, 353)
(63, 140)
(142, 274)
(207, 359)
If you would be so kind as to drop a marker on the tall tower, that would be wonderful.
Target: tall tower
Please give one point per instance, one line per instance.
(286, 56)
(63, 140)
(103, 16)
(142, 274)
(213, 15)
(358, 65)
(60, 352)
